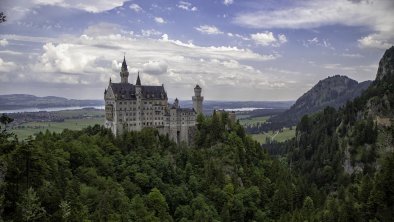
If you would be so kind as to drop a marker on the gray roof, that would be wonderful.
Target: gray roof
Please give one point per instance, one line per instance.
(185, 110)
(127, 91)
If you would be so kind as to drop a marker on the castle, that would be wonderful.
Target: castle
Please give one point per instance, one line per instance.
(131, 107)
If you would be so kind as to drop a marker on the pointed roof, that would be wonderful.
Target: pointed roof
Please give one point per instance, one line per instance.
(138, 83)
(124, 65)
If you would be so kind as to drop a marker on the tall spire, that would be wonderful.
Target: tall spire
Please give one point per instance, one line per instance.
(124, 65)
(124, 73)
(138, 83)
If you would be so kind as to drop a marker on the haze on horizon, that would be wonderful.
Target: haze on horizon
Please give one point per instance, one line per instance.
(235, 50)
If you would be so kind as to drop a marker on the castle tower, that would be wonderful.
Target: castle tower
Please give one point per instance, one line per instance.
(176, 103)
(138, 82)
(197, 99)
(124, 73)
(138, 93)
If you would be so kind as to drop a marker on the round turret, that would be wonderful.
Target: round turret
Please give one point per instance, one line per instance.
(197, 90)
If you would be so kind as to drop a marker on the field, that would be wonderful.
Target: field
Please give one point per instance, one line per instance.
(282, 136)
(253, 120)
(274, 136)
(74, 120)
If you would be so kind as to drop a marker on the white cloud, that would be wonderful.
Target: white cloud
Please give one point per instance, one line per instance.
(208, 29)
(186, 6)
(282, 38)
(65, 58)
(228, 2)
(94, 6)
(374, 14)
(375, 41)
(102, 28)
(315, 41)
(150, 32)
(352, 55)
(7, 66)
(135, 7)
(268, 39)
(164, 37)
(160, 20)
(3, 42)
(238, 36)
(155, 67)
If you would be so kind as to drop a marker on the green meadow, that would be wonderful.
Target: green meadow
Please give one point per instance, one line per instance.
(23, 131)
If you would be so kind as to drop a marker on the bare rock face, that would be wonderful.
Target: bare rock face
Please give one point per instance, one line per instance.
(386, 65)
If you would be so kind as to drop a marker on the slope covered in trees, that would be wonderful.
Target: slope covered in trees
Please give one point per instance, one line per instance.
(347, 154)
(142, 176)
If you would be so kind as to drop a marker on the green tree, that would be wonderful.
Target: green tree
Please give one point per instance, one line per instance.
(30, 206)
(156, 202)
(65, 210)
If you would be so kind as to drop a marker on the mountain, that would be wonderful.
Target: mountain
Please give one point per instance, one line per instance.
(20, 101)
(347, 154)
(333, 91)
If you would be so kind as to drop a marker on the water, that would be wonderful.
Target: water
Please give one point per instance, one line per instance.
(244, 109)
(50, 109)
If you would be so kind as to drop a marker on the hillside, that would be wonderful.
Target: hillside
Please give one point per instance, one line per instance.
(333, 91)
(348, 153)
(20, 101)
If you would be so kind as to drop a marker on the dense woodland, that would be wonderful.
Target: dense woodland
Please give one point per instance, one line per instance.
(338, 168)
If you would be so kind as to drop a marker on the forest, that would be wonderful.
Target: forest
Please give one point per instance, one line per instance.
(90, 175)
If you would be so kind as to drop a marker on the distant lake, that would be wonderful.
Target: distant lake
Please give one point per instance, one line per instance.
(244, 109)
(50, 109)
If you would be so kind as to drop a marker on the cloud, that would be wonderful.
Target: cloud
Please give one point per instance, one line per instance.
(186, 6)
(65, 58)
(92, 60)
(208, 29)
(7, 66)
(102, 28)
(238, 36)
(352, 55)
(155, 67)
(159, 20)
(135, 7)
(315, 41)
(268, 39)
(375, 41)
(3, 42)
(94, 6)
(228, 2)
(375, 14)
(150, 32)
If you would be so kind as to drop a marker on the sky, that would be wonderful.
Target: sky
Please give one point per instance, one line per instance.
(234, 49)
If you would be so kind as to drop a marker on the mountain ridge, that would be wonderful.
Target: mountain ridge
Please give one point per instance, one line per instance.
(333, 91)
